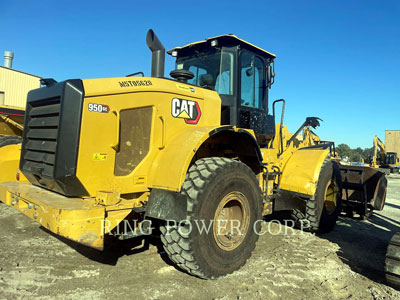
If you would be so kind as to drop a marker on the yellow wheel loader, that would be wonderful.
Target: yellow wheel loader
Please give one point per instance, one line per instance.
(200, 156)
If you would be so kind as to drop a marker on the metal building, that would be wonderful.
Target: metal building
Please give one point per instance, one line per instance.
(15, 85)
(392, 141)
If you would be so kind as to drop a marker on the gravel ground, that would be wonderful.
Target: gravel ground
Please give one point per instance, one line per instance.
(347, 263)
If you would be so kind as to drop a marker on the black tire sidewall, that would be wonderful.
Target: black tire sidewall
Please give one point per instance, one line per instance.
(330, 172)
(209, 255)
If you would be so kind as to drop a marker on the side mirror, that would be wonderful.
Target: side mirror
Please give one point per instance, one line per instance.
(270, 74)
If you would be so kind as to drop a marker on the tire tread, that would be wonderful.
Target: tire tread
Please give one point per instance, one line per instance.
(179, 247)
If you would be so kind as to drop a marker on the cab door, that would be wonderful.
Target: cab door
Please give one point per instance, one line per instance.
(253, 100)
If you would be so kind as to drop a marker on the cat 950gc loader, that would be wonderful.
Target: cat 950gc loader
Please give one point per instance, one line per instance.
(201, 151)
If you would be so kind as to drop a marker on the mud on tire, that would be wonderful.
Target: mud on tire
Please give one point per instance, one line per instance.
(216, 189)
(323, 209)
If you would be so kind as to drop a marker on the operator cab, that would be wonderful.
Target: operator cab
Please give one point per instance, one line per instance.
(239, 72)
(390, 158)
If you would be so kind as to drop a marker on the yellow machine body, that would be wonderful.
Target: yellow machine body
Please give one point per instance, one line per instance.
(172, 146)
(171, 140)
(174, 122)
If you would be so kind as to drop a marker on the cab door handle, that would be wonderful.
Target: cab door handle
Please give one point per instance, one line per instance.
(163, 133)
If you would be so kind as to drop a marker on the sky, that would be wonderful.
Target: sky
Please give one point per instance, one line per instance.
(337, 60)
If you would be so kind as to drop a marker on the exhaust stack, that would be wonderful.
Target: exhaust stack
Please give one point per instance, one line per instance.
(8, 59)
(158, 54)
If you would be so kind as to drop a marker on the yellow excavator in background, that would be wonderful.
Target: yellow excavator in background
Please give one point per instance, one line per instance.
(388, 161)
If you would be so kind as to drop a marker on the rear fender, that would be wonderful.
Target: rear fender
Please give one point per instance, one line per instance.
(170, 166)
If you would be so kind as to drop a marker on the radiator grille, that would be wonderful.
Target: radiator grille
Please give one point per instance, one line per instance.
(41, 136)
(50, 143)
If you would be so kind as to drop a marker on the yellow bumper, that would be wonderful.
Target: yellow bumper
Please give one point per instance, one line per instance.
(77, 219)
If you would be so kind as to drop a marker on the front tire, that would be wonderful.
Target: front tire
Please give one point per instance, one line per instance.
(224, 212)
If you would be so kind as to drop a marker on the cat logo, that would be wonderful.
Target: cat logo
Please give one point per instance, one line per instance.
(186, 109)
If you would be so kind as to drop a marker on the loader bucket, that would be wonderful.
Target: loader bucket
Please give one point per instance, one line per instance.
(363, 185)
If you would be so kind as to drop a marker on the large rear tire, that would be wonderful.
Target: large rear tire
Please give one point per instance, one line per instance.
(224, 199)
(323, 209)
(392, 263)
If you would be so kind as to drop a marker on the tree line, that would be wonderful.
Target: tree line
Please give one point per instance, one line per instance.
(355, 155)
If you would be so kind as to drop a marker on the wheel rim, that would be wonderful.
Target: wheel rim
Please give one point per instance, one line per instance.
(231, 221)
(331, 193)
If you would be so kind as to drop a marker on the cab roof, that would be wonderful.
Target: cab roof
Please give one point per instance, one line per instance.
(222, 40)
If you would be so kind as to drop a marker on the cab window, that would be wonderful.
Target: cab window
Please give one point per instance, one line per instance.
(205, 67)
(197, 72)
(224, 82)
(211, 70)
